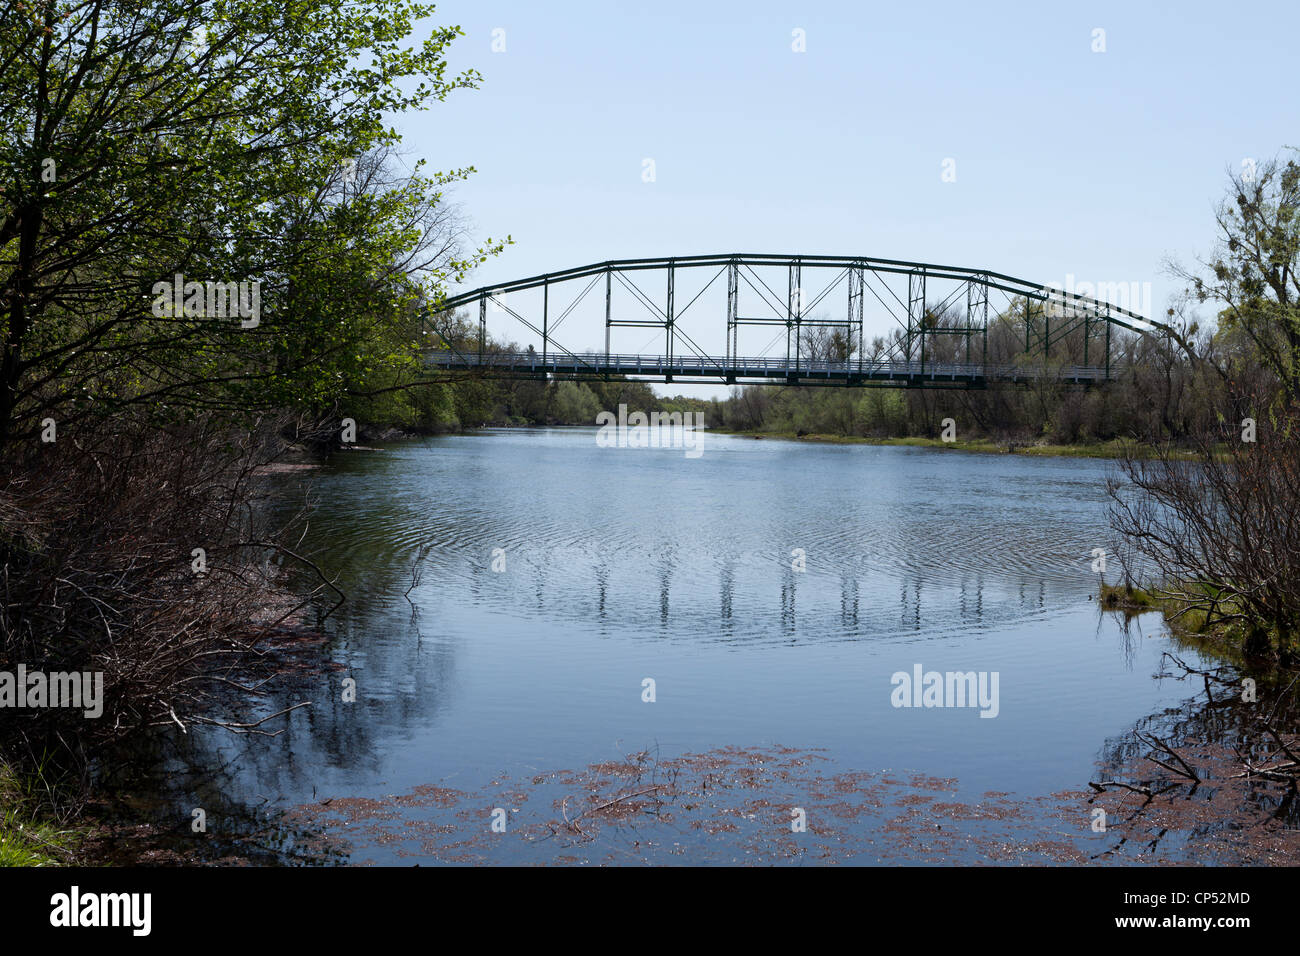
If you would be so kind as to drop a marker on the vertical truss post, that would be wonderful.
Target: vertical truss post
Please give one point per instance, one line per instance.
(985, 324)
(482, 326)
(923, 344)
(966, 354)
(546, 302)
(856, 290)
(1047, 332)
(1028, 320)
(977, 312)
(609, 278)
(916, 313)
(793, 312)
(1108, 350)
(735, 341)
(668, 324)
(1085, 338)
(733, 295)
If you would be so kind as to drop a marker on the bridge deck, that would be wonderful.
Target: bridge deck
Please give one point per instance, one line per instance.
(760, 369)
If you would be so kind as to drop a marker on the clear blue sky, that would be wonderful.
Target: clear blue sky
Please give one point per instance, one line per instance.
(1067, 161)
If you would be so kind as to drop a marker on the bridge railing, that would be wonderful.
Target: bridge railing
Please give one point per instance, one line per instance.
(753, 366)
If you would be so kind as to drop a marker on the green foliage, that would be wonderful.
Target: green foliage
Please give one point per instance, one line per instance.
(132, 152)
(25, 838)
(575, 402)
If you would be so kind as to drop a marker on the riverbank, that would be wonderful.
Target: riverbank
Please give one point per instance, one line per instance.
(986, 446)
(1258, 649)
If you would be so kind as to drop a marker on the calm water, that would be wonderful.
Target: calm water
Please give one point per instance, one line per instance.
(627, 564)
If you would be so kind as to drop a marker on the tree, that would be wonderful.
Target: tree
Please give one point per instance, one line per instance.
(826, 343)
(1254, 272)
(206, 139)
(575, 404)
(1217, 532)
(243, 146)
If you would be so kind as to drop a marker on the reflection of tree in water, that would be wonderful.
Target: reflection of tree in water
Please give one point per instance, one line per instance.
(1213, 778)
(240, 780)
(726, 584)
(147, 813)
(788, 594)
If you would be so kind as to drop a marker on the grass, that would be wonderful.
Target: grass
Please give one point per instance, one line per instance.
(25, 838)
(1130, 600)
(1237, 642)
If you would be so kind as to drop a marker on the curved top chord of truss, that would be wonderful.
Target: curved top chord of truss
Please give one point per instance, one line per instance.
(1104, 311)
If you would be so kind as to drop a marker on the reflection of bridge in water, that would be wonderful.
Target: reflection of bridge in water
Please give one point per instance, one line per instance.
(909, 604)
(941, 322)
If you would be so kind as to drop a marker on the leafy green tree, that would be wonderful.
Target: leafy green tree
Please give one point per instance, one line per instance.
(218, 141)
(575, 404)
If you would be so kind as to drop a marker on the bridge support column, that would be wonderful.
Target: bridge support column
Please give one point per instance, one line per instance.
(546, 302)
(609, 278)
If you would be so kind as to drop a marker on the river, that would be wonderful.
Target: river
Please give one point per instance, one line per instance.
(769, 590)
